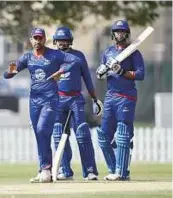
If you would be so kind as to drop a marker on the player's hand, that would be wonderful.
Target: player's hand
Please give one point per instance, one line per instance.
(101, 72)
(118, 69)
(115, 67)
(111, 62)
(56, 76)
(12, 68)
(97, 107)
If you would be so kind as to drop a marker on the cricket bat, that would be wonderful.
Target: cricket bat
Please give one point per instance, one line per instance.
(132, 47)
(60, 150)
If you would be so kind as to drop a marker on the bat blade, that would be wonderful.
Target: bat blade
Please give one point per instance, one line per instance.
(134, 45)
(60, 150)
(58, 156)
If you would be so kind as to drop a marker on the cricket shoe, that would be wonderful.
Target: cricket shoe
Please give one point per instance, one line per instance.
(91, 176)
(35, 179)
(115, 177)
(61, 176)
(43, 177)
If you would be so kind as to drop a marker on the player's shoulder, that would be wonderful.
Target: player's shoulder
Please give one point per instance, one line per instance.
(27, 55)
(136, 53)
(77, 53)
(74, 54)
(53, 51)
(109, 48)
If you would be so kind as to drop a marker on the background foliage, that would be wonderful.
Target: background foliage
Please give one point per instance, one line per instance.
(18, 17)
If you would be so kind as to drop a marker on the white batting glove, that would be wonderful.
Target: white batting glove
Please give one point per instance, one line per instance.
(97, 107)
(101, 72)
(111, 62)
(115, 67)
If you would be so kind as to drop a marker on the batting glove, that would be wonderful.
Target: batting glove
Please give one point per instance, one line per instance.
(118, 69)
(115, 67)
(101, 72)
(97, 107)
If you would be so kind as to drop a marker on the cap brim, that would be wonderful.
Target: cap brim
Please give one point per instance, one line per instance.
(38, 35)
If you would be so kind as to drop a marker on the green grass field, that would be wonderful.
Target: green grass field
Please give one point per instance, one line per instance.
(145, 182)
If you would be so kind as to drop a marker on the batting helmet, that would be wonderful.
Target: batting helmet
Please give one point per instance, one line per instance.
(120, 25)
(63, 33)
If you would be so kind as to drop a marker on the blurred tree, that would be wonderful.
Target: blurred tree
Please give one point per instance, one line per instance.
(18, 17)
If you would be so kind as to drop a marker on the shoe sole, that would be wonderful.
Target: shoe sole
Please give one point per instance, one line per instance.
(93, 179)
(117, 179)
(40, 181)
(66, 179)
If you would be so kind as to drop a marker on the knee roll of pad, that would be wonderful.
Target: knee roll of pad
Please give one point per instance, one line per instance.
(123, 134)
(83, 133)
(57, 132)
(57, 128)
(103, 138)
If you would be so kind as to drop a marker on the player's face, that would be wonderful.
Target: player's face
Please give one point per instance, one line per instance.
(62, 44)
(120, 35)
(38, 42)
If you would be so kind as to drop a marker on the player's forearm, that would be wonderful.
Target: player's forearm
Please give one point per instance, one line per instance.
(93, 94)
(91, 90)
(139, 75)
(134, 75)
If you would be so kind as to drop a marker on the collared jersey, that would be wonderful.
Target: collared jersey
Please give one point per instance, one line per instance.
(41, 68)
(71, 81)
(121, 84)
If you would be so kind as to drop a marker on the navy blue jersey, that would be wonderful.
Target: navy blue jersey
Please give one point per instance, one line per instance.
(41, 68)
(71, 81)
(121, 84)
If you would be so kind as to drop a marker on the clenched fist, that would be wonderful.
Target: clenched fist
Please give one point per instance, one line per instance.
(12, 68)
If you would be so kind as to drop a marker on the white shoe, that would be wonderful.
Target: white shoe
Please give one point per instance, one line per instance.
(45, 176)
(91, 176)
(112, 177)
(116, 177)
(61, 176)
(35, 179)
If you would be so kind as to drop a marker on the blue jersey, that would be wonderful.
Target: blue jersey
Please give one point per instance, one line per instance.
(71, 81)
(120, 84)
(41, 68)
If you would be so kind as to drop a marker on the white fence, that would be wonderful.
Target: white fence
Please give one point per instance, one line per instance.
(18, 145)
(163, 109)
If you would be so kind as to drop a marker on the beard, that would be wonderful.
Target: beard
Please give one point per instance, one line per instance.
(38, 46)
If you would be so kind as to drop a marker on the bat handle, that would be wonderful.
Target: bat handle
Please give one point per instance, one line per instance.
(67, 121)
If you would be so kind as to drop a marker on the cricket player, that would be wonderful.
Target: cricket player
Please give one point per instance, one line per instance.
(42, 62)
(71, 98)
(120, 101)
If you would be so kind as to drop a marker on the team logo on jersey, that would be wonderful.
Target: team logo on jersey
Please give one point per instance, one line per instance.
(46, 62)
(40, 74)
(65, 76)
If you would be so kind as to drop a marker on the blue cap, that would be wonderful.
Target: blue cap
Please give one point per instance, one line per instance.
(38, 32)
